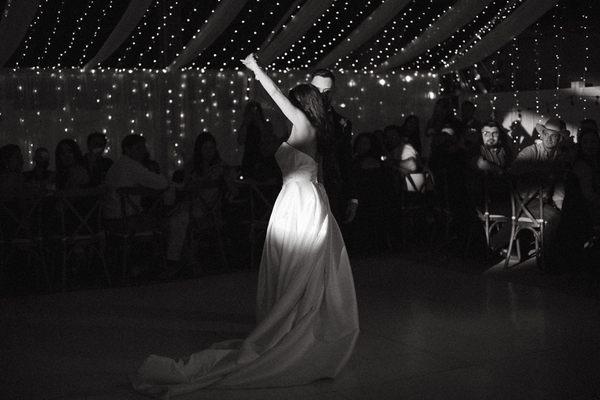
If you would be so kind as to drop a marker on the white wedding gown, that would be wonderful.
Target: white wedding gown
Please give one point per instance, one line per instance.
(306, 304)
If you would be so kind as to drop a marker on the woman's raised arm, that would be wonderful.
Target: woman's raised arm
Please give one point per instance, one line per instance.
(289, 110)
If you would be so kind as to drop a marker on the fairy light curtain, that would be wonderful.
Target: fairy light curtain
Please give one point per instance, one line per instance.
(39, 108)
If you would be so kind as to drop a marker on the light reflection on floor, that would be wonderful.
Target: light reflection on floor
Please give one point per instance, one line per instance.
(426, 333)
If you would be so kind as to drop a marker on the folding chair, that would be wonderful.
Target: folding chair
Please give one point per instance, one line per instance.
(523, 218)
(490, 219)
(21, 230)
(81, 228)
(143, 216)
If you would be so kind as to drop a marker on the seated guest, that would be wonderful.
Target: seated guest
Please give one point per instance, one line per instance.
(40, 176)
(544, 159)
(487, 186)
(128, 171)
(540, 164)
(96, 163)
(405, 161)
(204, 180)
(494, 155)
(70, 166)
(541, 155)
(11, 170)
(587, 167)
(410, 129)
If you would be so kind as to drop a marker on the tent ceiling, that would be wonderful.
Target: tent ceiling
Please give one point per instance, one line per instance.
(215, 34)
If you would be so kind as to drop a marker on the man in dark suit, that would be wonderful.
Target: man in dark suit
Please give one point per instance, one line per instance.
(337, 165)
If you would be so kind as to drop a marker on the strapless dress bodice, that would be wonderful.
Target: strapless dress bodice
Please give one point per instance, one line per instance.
(296, 165)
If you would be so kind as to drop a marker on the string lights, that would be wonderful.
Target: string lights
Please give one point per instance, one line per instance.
(538, 71)
(243, 37)
(558, 35)
(28, 40)
(78, 27)
(438, 55)
(44, 51)
(139, 35)
(514, 61)
(586, 43)
(391, 38)
(332, 27)
(99, 22)
(211, 92)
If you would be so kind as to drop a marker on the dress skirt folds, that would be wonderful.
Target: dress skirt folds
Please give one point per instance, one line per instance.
(307, 318)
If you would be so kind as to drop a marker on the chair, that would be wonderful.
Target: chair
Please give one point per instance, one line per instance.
(81, 227)
(21, 220)
(524, 207)
(490, 220)
(143, 216)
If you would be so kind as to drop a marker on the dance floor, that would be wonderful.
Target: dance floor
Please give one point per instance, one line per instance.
(426, 333)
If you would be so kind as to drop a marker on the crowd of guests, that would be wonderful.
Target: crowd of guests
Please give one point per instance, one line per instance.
(453, 157)
(199, 192)
(468, 162)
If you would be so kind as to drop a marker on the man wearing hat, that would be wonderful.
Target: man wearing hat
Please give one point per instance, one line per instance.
(542, 164)
(543, 154)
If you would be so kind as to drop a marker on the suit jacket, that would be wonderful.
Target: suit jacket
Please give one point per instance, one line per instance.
(337, 166)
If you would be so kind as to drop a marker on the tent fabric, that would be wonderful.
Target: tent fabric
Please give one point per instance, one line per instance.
(132, 16)
(302, 21)
(183, 34)
(223, 16)
(511, 27)
(456, 17)
(366, 30)
(15, 21)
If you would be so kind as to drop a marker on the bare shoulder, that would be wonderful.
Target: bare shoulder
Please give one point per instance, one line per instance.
(303, 137)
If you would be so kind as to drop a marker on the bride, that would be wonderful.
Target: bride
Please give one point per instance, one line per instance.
(306, 304)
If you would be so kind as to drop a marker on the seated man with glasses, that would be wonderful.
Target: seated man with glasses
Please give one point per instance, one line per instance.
(494, 154)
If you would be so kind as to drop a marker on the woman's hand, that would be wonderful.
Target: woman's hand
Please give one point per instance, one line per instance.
(250, 62)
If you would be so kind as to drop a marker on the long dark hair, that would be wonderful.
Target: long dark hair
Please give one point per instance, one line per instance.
(198, 161)
(308, 99)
